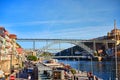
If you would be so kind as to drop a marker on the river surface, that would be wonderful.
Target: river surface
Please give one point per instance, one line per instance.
(104, 69)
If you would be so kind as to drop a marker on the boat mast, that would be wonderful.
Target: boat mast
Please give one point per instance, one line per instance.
(116, 50)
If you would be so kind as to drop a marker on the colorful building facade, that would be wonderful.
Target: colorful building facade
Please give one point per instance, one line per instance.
(9, 50)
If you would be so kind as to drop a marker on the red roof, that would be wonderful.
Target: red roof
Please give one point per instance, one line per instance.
(13, 36)
(19, 50)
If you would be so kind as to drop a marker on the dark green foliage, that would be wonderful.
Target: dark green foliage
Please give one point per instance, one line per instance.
(32, 58)
(73, 71)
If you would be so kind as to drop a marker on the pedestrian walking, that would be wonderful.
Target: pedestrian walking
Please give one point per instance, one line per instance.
(29, 77)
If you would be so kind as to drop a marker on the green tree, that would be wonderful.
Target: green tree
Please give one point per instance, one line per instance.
(32, 58)
(73, 71)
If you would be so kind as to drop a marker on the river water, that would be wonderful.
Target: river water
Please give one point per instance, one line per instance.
(104, 69)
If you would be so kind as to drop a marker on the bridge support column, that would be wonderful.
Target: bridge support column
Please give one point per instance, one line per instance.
(47, 43)
(94, 45)
(106, 45)
(33, 45)
(71, 50)
(59, 48)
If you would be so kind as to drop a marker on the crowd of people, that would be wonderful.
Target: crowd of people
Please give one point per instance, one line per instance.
(32, 70)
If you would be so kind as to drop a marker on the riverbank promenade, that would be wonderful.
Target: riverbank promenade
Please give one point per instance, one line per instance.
(46, 73)
(23, 74)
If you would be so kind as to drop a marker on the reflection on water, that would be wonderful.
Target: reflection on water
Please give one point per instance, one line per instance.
(119, 70)
(104, 69)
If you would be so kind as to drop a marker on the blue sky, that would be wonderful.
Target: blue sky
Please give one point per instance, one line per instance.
(74, 19)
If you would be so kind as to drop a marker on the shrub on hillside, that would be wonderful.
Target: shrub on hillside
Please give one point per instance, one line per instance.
(73, 71)
(32, 58)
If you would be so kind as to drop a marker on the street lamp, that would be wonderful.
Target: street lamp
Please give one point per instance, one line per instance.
(116, 50)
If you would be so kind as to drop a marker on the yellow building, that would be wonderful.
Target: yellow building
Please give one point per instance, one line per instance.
(114, 35)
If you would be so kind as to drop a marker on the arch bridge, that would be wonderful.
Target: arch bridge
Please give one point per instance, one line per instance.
(78, 42)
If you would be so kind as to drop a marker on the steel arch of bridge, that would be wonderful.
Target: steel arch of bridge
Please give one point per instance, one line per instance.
(78, 42)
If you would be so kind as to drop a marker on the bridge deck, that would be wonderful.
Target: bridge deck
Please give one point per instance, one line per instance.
(79, 40)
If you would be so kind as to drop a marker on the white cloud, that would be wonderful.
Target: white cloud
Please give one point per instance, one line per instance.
(52, 22)
(79, 33)
(43, 22)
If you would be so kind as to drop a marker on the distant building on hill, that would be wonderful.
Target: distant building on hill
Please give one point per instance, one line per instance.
(111, 35)
(114, 34)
